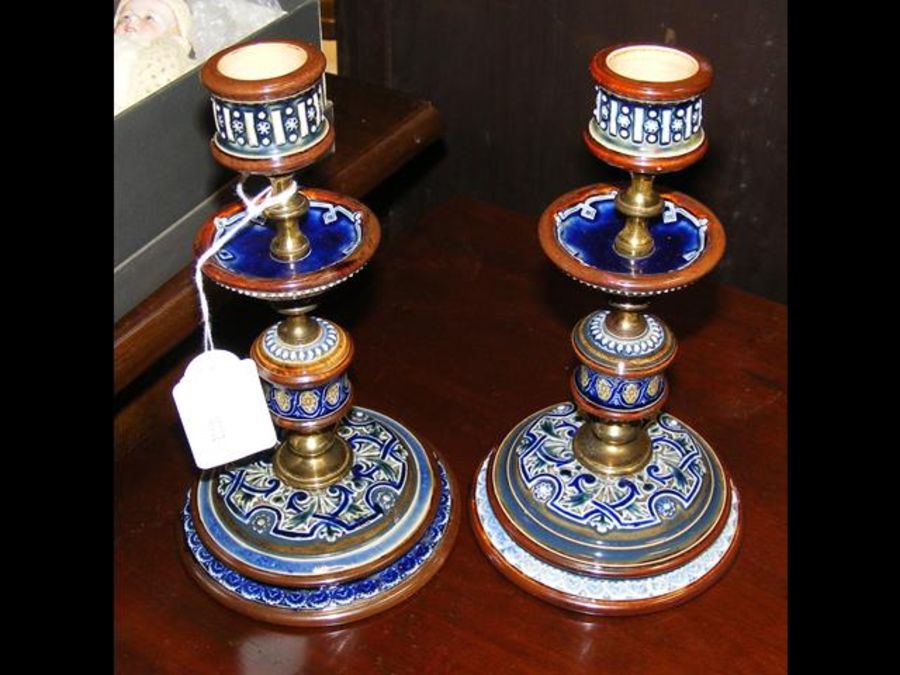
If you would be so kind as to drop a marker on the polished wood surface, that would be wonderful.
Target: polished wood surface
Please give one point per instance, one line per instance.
(462, 329)
(377, 130)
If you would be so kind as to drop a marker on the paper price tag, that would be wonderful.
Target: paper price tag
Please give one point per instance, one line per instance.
(223, 409)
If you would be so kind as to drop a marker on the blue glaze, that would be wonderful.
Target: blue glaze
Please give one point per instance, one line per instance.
(333, 232)
(619, 520)
(270, 128)
(618, 394)
(312, 403)
(384, 452)
(329, 595)
(588, 232)
(641, 127)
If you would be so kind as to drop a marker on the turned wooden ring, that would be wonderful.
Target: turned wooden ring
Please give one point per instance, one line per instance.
(648, 109)
(268, 101)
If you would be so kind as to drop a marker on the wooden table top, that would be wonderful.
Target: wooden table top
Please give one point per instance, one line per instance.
(462, 329)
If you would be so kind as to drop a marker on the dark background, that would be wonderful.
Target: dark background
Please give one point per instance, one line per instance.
(510, 78)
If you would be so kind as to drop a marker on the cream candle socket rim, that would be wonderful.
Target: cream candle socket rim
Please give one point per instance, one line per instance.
(652, 63)
(260, 72)
(262, 61)
(670, 74)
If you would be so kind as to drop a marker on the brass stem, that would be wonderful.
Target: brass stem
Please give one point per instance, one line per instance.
(313, 460)
(299, 328)
(634, 240)
(612, 448)
(289, 243)
(626, 320)
(625, 324)
(639, 199)
(638, 203)
(628, 303)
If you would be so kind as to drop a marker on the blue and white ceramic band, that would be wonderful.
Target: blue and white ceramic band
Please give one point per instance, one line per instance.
(665, 129)
(290, 525)
(619, 394)
(596, 588)
(326, 597)
(270, 128)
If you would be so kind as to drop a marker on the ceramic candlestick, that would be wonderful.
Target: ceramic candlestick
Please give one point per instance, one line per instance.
(607, 504)
(351, 513)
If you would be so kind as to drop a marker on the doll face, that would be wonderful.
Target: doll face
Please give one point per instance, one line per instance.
(146, 18)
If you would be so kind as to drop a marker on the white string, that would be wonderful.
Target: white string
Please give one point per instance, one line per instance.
(253, 207)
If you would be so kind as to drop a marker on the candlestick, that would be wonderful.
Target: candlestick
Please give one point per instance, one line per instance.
(607, 504)
(351, 513)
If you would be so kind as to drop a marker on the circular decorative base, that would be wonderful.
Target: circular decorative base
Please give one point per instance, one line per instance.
(340, 554)
(627, 544)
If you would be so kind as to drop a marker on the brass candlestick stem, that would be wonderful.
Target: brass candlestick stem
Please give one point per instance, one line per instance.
(289, 243)
(638, 204)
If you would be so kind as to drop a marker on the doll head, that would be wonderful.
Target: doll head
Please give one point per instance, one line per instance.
(151, 19)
